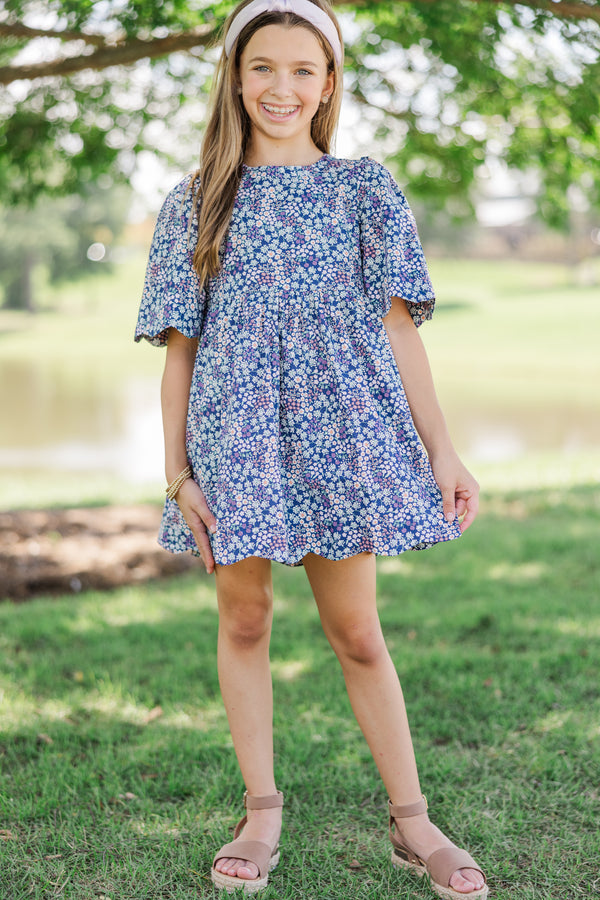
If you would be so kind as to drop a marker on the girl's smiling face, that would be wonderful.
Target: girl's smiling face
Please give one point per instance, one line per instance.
(283, 77)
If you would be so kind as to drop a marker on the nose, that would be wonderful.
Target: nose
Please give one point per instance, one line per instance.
(281, 85)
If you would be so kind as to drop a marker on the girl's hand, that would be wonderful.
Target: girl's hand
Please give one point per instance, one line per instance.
(460, 491)
(192, 503)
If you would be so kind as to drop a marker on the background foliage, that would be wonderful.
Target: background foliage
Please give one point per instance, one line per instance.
(449, 88)
(57, 233)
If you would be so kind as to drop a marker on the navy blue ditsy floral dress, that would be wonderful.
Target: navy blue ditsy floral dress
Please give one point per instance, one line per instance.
(299, 431)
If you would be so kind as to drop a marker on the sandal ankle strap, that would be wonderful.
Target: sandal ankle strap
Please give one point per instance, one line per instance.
(273, 801)
(408, 809)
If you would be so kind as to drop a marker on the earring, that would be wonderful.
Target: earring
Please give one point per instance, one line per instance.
(325, 99)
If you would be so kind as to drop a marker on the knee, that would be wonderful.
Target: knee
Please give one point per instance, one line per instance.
(359, 643)
(246, 620)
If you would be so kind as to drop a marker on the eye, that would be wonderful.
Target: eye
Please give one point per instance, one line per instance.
(260, 68)
(304, 72)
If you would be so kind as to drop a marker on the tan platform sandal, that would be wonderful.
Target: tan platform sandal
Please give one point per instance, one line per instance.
(264, 857)
(440, 865)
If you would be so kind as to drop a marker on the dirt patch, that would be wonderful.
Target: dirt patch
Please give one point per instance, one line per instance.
(71, 550)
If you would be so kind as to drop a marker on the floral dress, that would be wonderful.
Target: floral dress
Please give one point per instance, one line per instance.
(299, 431)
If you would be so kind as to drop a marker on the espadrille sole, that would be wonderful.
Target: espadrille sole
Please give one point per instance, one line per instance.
(231, 883)
(446, 893)
(264, 857)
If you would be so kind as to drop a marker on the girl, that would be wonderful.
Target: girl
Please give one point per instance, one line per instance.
(300, 419)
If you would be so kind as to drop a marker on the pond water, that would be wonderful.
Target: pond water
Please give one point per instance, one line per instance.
(50, 420)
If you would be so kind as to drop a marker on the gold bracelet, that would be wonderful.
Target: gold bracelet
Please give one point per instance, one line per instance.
(173, 488)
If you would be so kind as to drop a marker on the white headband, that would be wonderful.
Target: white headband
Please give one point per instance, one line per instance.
(304, 8)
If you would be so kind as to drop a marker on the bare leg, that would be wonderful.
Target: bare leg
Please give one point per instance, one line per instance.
(245, 598)
(345, 595)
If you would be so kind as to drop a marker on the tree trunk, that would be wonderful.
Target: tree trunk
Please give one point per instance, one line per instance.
(19, 292)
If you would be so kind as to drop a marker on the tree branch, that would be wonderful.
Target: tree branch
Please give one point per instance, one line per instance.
(558, 8)
(562, 9)
(19, 30)
(115, 50)
(120, 54)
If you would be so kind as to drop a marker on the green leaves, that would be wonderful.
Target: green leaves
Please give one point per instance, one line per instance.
(478, 81)
(442, 87)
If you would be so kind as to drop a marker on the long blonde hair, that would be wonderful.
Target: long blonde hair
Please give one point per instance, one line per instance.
(216, 182)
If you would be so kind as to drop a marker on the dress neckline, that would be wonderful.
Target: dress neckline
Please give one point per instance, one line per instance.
(285, 168)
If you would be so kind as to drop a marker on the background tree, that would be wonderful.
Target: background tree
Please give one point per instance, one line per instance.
(474, 86)
(448, 88)
(56, 234)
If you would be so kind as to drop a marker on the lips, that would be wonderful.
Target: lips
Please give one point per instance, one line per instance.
(279, 112)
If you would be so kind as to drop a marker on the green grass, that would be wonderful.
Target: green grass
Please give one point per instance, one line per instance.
(117, 775)
(44, 489)
(495, 638)
(83, 324)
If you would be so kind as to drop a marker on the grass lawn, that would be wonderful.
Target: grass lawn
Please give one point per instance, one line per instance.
(118, 778)
(117, 775)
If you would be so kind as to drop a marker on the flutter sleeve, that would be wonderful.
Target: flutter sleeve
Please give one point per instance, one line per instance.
(172, 295)
(393, 261)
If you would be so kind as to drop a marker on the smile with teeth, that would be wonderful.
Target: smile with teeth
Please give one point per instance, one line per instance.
(279, 110)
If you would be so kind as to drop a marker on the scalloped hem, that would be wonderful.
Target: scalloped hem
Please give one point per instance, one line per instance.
(294, 557)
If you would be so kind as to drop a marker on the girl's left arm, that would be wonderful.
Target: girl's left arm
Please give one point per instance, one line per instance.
(460, 491)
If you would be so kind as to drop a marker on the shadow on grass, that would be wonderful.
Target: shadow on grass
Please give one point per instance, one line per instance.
(114, 738)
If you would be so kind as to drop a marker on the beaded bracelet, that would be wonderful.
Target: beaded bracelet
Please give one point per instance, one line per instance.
(173, 488)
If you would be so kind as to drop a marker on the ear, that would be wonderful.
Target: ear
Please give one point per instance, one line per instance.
(329, 85)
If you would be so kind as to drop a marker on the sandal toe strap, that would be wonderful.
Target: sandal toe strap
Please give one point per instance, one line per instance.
(444, 862)
(255, 852)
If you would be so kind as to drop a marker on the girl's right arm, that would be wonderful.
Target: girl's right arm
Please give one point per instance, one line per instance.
(175, 393)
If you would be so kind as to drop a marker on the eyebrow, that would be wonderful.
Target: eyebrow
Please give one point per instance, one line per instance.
(298, 62)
